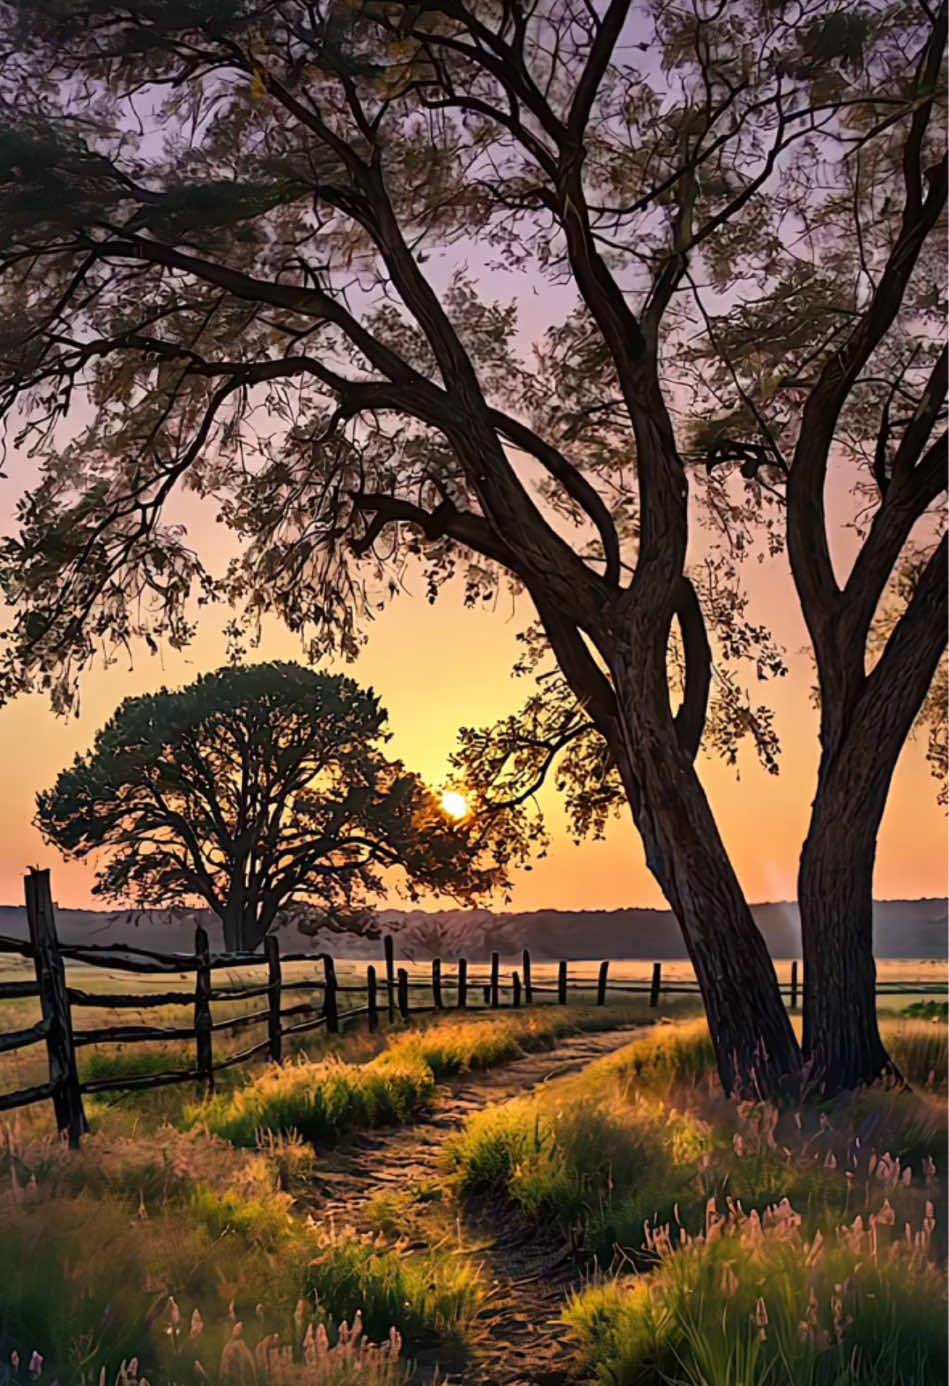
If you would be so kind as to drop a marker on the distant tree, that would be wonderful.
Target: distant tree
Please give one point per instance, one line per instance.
(251, 789)
(227, 271)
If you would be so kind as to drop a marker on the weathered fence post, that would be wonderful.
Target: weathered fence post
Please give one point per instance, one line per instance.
(528, 989)
(562, 982)
(495, 980)
(389, 949)
(372, 1003)
(330, 996)
(462, 983)
(656, 985)
(601, 983)
(272, 954)
(54, 999)
(794, 984)
(437, 983)
(516, 988)
(202, 1006)
(403, 993)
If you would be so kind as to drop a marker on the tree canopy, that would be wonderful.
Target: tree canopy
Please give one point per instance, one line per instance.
(243, 249)
(254, 788)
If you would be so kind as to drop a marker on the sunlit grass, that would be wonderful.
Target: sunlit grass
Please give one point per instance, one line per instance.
(645, 1136)
(753, 1300)
(323, 1101)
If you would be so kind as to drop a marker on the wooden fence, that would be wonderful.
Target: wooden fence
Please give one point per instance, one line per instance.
(399, 997)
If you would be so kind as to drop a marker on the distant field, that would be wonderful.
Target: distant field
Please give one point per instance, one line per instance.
(24, 1067)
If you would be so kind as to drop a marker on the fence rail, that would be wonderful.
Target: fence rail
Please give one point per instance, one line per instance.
(458, 991)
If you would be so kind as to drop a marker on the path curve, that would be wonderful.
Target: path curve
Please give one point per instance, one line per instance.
(517, 1336)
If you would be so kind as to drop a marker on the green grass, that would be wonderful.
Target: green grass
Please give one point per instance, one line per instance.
(325, 1100)
(321, 1101)
(927, 1010)
(752, 1304)
(104, 1240)
(643, 1136)
(920, 1048)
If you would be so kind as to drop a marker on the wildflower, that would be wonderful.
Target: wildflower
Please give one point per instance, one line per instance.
(761, 1318)
(886, 1216)
(738, 1144)
(237, 1360)
(729, 1283)
(197, 1324)
(36, 1364)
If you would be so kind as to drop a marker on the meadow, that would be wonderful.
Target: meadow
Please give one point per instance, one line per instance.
(344, 1218)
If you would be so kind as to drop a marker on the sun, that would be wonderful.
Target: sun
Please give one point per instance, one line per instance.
(454, 804)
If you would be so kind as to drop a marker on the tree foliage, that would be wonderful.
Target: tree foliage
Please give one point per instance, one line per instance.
(255, 788)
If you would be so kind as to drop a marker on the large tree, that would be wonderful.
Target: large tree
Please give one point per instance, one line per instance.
(215, 223)
(252, 789)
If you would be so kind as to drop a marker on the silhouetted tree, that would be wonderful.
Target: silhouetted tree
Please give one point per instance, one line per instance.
(253, 788)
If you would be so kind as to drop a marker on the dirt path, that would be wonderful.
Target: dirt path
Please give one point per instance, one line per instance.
(517, 1336)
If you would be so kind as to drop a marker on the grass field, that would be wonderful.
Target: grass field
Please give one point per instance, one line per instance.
(716, 1245)
(22, 1068)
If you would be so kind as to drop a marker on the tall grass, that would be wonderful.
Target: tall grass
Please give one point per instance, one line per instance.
(102, 1240)
(321, 1101)
(324, 1101)
(644, 1135)
(753, 1300)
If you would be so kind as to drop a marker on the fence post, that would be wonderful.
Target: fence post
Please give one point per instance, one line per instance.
(462, 983)
(54, 999)
(601, 983)
(330, 997)
(437, 984)
(272, 953)
(487, 995)
(794, 984)
(372, 1004)
(528, 989)
(516, 986)
(656, 985)
(495, 979)
(562, 982)
(403, 993)
(390, 974)
(202, 1006)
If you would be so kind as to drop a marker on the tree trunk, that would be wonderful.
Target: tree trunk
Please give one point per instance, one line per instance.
(842, 1044)
(862, 737)
(244, 930)
(756, 1051)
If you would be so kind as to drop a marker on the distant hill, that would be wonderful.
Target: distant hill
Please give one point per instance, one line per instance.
(902, 929)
